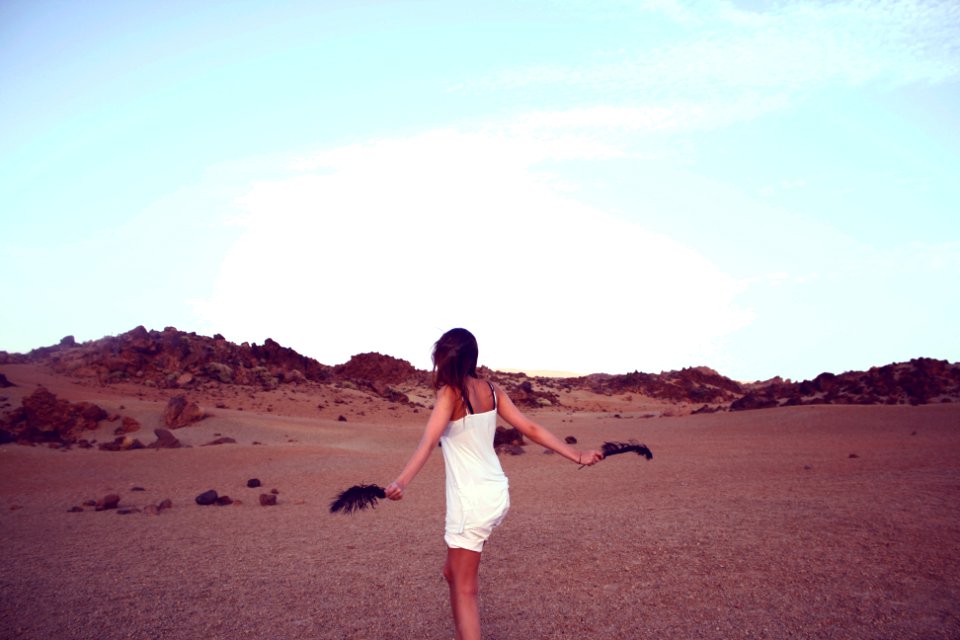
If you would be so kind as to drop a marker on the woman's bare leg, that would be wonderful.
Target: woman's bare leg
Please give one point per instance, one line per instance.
(461, 571)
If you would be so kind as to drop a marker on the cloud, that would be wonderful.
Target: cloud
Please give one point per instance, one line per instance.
(724, 59)
(382, 246)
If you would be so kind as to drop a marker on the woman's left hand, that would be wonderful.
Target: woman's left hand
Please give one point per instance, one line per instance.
(394, 491)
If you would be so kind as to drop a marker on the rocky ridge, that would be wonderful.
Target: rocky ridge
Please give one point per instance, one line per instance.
(172, 359)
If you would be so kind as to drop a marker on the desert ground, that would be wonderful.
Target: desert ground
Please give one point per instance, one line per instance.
(800, 522)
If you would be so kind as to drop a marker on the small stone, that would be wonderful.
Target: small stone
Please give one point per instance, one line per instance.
(570, 440)
(75, 510)
(207, 497)
(223, 501)
(253, 483)
(274, 491)
(166, 503)
(268, 499)
(125, 512)
(137, 489)
(342, 418)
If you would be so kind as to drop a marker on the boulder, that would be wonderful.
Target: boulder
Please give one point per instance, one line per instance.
(180, 412)
(43, 417)
(510, 436)
(165, 440)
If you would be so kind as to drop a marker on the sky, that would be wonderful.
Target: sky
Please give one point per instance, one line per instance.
(764, 188)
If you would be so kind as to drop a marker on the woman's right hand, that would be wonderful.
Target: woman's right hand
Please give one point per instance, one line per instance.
(590, 458)
(394, 491)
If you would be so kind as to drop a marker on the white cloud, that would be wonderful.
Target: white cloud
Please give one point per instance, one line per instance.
(385, 245)
(727, 59)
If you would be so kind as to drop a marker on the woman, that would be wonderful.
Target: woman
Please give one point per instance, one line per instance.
(464, 421)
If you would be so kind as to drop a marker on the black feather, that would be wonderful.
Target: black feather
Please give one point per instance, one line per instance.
(613, 448)
(357, 498)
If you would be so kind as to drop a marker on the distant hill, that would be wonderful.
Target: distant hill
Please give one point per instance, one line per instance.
(177, 359)
(919, 381)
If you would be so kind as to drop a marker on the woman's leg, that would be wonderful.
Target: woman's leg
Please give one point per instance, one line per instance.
(461, 571)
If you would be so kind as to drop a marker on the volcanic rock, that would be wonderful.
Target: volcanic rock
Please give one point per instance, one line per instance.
(180, 412)
(268, 499)
(43, 417)
(127, 425)
(4, 383)
(505, 436)
(512, 449)
(207, 497)
(109, 501)
(374, 367)
(165, 440)
(253, 483)
(122, 443)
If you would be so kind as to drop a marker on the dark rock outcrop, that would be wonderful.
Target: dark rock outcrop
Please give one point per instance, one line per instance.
(43, 417)
(919, 381)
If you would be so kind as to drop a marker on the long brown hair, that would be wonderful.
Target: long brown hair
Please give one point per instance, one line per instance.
(454, 358)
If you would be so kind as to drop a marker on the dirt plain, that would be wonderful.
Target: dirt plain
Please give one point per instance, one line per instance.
(799, 522)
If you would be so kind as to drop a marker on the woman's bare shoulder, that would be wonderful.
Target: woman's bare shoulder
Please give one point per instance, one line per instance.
(446, 392)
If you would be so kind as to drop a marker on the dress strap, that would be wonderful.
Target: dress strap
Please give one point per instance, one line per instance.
(466, 400)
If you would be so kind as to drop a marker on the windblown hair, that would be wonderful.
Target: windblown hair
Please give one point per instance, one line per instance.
(454, 358)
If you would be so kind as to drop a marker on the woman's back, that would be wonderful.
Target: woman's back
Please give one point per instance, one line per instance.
(467, 442)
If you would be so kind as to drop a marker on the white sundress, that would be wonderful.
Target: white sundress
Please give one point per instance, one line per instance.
(478, 495)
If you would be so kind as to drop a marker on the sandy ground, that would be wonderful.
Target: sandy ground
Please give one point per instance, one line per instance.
(745, 525)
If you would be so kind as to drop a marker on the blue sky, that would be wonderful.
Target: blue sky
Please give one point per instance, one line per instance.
(767, 188)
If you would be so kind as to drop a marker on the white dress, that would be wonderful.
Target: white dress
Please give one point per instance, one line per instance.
(478, 495)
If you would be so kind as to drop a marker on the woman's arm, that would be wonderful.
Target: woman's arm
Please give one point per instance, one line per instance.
(436, 423)
(509, 412)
